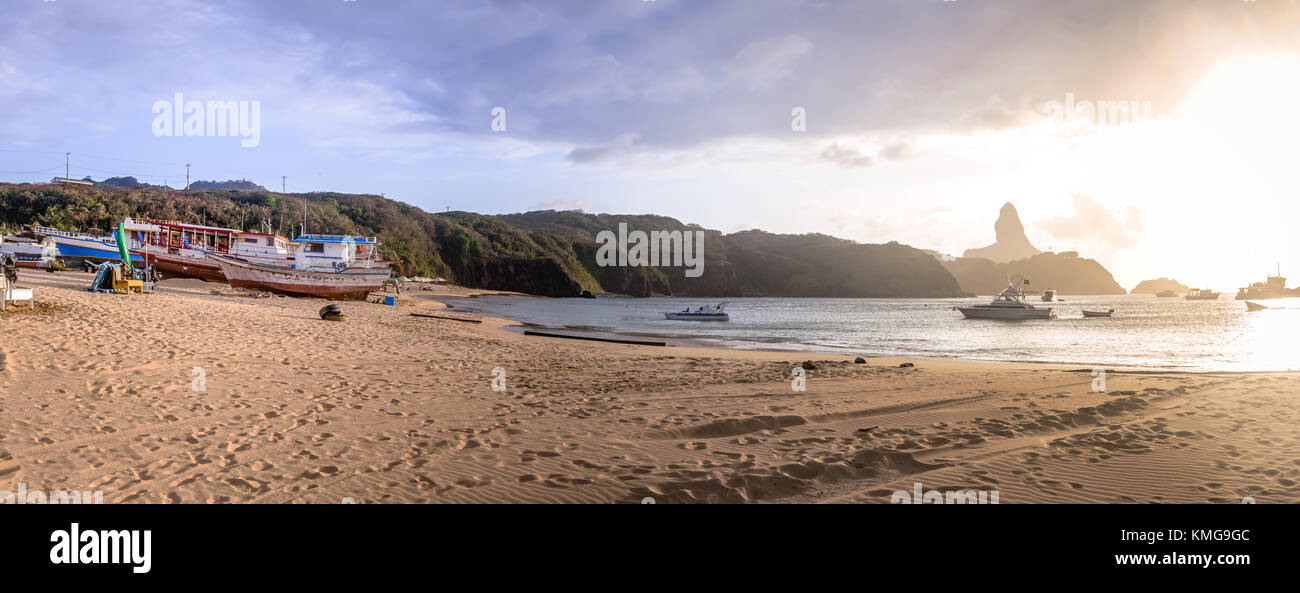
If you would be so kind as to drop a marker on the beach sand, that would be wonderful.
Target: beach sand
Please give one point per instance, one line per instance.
(200, 394)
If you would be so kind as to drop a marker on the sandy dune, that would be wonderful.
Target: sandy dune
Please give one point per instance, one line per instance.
(99, 392)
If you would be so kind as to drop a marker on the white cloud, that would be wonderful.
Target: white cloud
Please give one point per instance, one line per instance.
(762, 64)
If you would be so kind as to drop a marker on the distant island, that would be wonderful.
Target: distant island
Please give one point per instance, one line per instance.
(1159, 285)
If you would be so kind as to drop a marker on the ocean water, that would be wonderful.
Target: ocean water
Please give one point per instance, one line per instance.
(1145, 332)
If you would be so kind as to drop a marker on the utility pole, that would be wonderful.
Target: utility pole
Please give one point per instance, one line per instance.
(187, 177)
(67, 167)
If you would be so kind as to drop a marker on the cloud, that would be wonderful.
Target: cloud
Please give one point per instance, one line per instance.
(846, 157)
(675, 75)
(762, 64)
(621, 146)
(1092, 221)
(896, 149)
(563, 203)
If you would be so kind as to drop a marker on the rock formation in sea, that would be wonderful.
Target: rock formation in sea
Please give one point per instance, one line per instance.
(985, 271)
(1011, 243)
(1159, 285)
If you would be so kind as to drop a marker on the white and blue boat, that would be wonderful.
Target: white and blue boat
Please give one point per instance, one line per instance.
(715, 313)
(31, 253)
(87, 247)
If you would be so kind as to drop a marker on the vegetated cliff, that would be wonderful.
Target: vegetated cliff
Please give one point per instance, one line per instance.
(1067, 273)
(1159, 285)
(546, 253)
(470, 249)
(753, 263)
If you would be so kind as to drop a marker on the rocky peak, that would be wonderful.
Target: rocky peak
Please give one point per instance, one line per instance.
(1011, 244)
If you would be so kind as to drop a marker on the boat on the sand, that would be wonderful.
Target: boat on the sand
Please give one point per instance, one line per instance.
(336, 267)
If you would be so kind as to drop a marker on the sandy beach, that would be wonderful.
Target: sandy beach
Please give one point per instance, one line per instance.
(200, 394)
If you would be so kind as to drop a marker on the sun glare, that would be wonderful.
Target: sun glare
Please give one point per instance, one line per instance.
(1251, 102)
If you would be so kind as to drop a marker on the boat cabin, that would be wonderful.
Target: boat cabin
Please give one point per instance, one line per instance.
(335, 253)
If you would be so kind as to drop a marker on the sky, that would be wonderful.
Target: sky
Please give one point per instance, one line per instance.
(872, 120)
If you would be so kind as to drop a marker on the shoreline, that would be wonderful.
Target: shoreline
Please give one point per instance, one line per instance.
(678, 341)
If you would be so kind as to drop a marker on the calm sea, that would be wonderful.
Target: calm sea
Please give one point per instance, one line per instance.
(1145, 331)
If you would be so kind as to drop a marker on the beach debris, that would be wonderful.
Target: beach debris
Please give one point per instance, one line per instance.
(859, 360)
(447, 318)
(332, 312)
(867, 429)
(906, 365)
(593, 338)
(808, 365)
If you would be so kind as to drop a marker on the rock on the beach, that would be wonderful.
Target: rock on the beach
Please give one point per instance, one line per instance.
(906, 365)
(859, 360)
(808, 365)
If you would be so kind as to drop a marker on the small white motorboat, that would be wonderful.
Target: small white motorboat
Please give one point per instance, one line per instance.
(1087, 313)
(715, 313)
(1010, 305)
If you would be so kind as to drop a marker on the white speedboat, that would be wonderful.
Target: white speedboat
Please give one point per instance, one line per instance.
(716, 313)
(1011, 304)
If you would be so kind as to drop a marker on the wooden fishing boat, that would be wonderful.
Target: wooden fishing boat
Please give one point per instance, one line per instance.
(337, 267)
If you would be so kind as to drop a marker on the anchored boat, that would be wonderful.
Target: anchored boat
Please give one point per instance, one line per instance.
(337, 267)
(1009, 305)
(1273, 288)
(715, 313)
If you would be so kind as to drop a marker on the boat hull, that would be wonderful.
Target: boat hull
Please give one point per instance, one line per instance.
(697, 317)
(354, 284)
(90, 250)
(185, 267)
(1007, 314)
